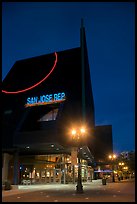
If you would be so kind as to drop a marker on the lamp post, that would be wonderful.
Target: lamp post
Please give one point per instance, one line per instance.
(112, 157)
(77, 138)
(121, 164)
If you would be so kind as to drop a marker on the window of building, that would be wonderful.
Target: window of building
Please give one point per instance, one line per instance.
(49, 116)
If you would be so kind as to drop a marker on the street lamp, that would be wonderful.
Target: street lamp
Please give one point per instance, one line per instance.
(77, 138)
(121, 164)
(112, 157)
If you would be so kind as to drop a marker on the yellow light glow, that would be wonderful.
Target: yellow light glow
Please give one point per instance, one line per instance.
(73, 132)
(121, 163)
(82, 130)
(112, 156)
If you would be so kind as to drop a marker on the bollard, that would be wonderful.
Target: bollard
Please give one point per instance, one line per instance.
(104, 181)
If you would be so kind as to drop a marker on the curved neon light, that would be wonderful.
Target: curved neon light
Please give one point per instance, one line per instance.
(33, 86)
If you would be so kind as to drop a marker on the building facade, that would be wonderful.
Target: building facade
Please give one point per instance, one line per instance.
(45, 97)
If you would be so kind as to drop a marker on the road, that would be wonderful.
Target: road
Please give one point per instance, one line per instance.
(123, 191)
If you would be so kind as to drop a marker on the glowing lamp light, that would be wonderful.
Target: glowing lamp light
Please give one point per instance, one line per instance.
(121, 164)
(73, 132)
(33, 86)
(112, 156)
(82, 130)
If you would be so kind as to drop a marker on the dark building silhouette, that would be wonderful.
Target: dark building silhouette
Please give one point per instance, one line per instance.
(102, 144)
(28, 122)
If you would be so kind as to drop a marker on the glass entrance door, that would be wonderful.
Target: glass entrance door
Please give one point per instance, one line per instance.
(49, 175)
(57, 175)
(53, 175)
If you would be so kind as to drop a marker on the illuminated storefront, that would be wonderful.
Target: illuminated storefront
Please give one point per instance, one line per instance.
(52, 168)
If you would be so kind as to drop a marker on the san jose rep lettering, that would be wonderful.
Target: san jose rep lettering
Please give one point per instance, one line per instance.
(46, 98)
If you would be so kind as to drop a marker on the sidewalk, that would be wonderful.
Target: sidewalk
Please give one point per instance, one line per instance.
(29, 188)
(95, 184)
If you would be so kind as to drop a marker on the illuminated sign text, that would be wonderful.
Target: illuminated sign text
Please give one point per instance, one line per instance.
(45, 99)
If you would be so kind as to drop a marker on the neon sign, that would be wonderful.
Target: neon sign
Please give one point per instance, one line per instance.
(33, 86)
(45, 99)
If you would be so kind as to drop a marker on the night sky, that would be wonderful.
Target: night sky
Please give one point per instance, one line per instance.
(31, 29)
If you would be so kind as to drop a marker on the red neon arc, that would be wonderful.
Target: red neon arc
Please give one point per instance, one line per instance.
(31, 87)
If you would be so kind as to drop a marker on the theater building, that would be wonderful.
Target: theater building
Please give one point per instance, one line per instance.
(44, 98)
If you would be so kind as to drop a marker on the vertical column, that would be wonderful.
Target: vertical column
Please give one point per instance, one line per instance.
(73, 173)
(73, 161)
(92, 174)
(64, 168)
(16, 168)
(6, 158)
(54, 175)
(64, 173)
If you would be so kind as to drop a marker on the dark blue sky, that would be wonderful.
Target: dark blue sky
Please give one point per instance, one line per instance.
(35, 28)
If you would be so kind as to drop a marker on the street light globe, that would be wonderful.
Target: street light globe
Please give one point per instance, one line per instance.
(73, 132)
(82, 130)
(112, 156)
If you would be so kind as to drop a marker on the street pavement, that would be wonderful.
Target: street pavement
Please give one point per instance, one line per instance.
(119, 191)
